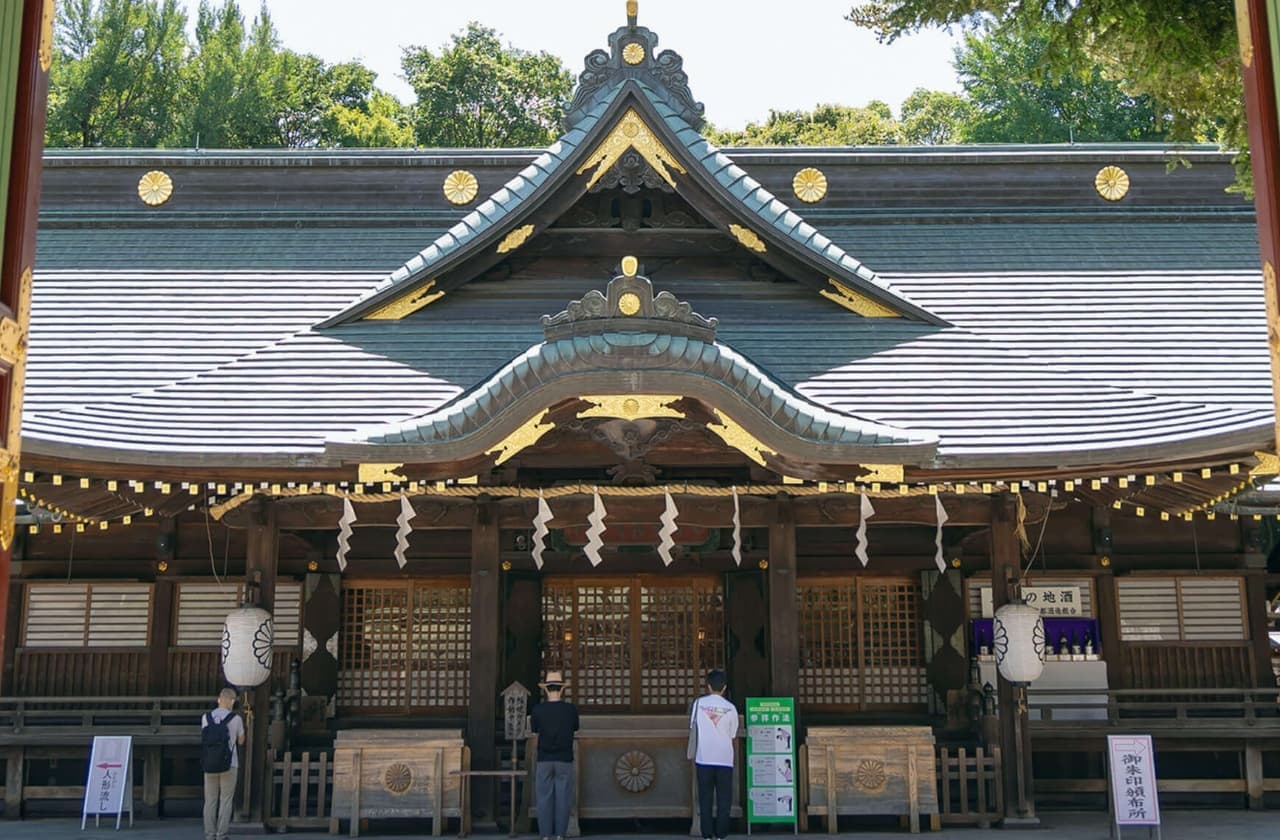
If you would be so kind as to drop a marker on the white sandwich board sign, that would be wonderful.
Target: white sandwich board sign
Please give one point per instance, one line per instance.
(109, 788)
(1134, 802)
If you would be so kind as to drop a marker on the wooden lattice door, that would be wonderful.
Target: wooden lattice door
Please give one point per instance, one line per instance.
(633, 644)
(404, 646)
(861, 644)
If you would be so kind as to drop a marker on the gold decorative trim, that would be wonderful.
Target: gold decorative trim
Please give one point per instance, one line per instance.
(630, 265)
(460, 187)
(810, 185)
(748, 238)
(885, 473)
(1271, 293)
(378, 473)
(629, 304)
(1244, 32)
(1112, 183)
(1268, 464)
(632, 406)
(45, 50)
(515, 239)
(739, 438)
(857, 302)
(13, 342)
(406, 305)
(525, 436)
(633, 53)
(631, 133)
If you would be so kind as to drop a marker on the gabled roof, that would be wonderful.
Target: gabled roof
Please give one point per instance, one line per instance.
(632, 101)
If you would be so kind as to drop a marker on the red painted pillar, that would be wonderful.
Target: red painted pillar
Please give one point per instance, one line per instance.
(24, 73)
(1258, 22)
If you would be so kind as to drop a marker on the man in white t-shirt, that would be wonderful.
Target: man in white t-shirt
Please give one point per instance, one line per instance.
(716, 723)
(220, 772)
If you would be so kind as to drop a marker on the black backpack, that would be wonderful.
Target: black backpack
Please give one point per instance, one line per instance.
(215, 744)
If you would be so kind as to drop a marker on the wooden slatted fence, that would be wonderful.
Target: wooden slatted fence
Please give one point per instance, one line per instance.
(300, 791)
(969, 787)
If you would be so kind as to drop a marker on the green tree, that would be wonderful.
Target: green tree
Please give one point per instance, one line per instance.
(380, 122)
(1019, 95)
(826, 125)
(115, 78)
(233, 84)
(475, 92)
(935, 118)
(1180, 53)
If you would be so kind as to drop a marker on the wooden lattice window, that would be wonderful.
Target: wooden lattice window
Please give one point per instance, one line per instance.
(203, 607)
(1182, 608)
(634, 644)
(92, 615)
(404, 646)
(860, 643)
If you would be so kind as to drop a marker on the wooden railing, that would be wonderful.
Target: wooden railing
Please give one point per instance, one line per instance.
(299, 791)
(970, 790)
(1189, 711)
(37, 719)
(1187, 665)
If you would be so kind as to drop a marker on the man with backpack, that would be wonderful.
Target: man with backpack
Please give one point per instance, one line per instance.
(221, 731)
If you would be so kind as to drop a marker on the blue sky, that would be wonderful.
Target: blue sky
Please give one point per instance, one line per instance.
(743, 58)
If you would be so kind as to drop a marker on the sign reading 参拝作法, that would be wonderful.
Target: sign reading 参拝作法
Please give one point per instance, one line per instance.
(109, 787)
(1132, 762)
(771, 759)
(1050, 600)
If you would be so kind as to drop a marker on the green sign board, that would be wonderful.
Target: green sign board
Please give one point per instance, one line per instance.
(771, 759)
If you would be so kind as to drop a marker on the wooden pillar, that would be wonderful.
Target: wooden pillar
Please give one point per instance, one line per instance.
(1259, 626)
(162, 610)
(1108, 607)
(9, 633)
(784, 620)
(1015, 730)
(486, 630)
(1255, 22)
(262, 553)
(24, 84)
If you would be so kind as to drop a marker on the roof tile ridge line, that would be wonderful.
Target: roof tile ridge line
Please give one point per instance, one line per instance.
(711, 157)
(549, 161)
(457, 404)
(158, 390)
(1084, 273)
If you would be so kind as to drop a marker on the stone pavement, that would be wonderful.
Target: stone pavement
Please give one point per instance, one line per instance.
(1178, 825)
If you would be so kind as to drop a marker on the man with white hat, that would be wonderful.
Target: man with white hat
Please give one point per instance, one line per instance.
(555, 721)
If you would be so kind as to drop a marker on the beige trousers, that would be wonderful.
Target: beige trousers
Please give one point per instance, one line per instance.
(219, 793)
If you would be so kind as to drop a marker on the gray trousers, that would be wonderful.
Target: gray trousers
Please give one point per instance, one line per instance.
(555, 796)
(219, 792)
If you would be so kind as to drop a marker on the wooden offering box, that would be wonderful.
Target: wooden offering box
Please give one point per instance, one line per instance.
(397, 774)
(871, 770)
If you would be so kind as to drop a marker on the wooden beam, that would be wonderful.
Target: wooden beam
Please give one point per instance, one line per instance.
(784, 619)
(486, 629)
(829, 510)
(1015, 729)
(262, 553)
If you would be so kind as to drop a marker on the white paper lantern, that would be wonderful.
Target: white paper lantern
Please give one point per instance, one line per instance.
(247, 638)
(1018, 639)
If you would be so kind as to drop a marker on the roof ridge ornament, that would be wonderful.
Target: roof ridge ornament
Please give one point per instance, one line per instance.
(633, 54)
(628, 304)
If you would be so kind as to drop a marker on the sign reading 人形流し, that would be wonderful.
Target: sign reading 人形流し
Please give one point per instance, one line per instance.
(109, 787)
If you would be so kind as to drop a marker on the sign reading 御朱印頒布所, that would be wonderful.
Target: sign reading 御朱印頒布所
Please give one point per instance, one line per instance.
(771, 759)
(1132, 762)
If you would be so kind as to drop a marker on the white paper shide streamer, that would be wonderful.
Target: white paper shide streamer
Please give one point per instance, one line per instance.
(867, 512)
(668, 531)
(737, 530)
(596, 531)
(403, 530)
(540, 530)
(344, 533)
(942, 520)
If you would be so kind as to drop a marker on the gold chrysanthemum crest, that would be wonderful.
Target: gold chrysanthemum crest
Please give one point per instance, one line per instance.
(810, 185)
(1112, 183)
(633, 53)
(460, 186)
(155, 187)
